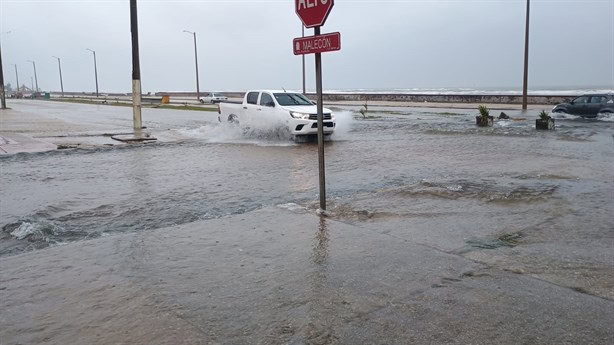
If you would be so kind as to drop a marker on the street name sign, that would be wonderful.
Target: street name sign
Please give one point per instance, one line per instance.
(317, 44)
(313, 12)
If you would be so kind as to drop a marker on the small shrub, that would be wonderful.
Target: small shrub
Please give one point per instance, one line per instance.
(484, 112)
(544, 115)
(364, 110)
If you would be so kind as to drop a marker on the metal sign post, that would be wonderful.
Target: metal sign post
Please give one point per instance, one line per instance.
(304, 84)
(320, 127)
(313, 14)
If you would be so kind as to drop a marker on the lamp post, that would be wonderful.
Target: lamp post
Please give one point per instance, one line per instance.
(95, 69)
(60, 68)
(16, 77)
(35, 77)
(196, 61)
(525, 79)
(2, 90)
(136, 69)
(2, 96)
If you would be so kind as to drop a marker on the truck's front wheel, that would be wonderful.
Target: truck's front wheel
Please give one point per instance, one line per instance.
(234, 119)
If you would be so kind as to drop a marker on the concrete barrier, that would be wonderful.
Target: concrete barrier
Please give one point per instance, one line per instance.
(405, 97)
(435, 98)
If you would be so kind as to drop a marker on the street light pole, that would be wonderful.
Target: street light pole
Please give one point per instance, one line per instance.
(60, 68)
(16, 78)
(2, 90)
(95, 69)
(304, 85)
(136, 68)
(525, 79)
(196, 61)
(35, 77)
(2, 96)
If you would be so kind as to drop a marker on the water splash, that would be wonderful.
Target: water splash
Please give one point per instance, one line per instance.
(345, 122)
(273, 135)
(607, 117)
(564, 116)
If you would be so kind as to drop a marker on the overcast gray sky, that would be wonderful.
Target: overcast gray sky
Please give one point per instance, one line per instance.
(248, 44)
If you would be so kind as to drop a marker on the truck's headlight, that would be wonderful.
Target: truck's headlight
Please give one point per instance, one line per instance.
(299, 115)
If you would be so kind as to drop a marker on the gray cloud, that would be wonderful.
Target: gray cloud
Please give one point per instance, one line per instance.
(248, 44)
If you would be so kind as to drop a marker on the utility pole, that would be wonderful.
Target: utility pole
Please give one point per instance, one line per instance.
(60, 68)
(95, 69)
(136, 69)
(2, 96)
(525, 80)
(304, 85)
(2, 90)
(196, 61)
(35, 77)
(16, 78)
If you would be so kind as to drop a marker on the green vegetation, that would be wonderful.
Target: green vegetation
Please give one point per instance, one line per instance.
(364, 110)
(484, 112)
(544, 115)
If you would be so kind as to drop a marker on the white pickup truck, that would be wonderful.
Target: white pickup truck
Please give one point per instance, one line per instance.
(267, 108)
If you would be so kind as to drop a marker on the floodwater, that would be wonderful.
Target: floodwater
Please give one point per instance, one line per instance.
(394, 161)
(439, 232)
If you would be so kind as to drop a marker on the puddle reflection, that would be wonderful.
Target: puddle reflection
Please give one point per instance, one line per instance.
(320, 328)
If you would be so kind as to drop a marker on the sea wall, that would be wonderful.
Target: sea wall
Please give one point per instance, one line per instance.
(404, 97)
(438, 98)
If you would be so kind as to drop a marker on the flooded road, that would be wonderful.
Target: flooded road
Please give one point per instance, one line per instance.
(440, 232)
(394, 161)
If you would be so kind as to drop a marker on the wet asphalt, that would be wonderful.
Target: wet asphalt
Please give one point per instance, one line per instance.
(440, 232)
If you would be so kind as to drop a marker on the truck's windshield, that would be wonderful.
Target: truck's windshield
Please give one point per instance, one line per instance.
(291, 99)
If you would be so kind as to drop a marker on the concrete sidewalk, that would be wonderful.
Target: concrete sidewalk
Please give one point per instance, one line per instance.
(276, 276)
(15, 143)
(38, 126)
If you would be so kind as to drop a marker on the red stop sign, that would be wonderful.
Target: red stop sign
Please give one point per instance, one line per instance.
(313, 12)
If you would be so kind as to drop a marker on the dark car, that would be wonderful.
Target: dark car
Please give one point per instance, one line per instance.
(588, 105)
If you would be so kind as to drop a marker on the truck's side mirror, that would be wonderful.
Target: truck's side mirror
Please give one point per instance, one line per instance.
(270, 104)
(314, 102)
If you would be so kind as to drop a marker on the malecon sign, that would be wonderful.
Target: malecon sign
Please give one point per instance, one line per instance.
(317, 44)
(313, 12)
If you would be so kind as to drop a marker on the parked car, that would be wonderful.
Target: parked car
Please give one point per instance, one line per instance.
(587, 105)
(266, 108)
(213, 98)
